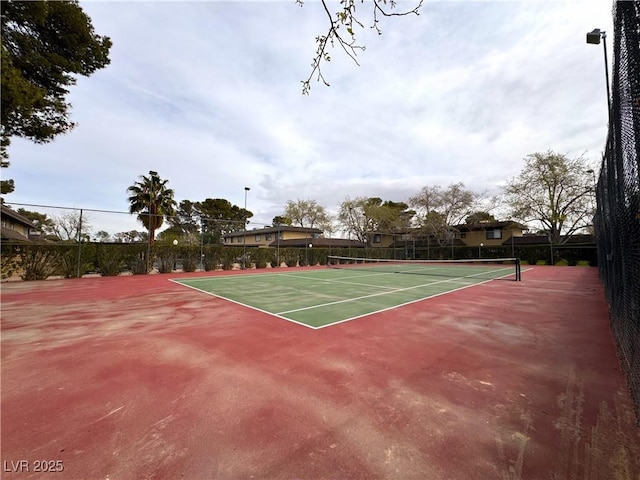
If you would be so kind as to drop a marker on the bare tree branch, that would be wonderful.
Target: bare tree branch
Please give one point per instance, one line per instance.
(346, 18)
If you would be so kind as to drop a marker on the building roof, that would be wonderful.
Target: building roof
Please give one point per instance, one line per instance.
(16, 216)
(281, 228)
(544, 240)
(12, 235)
(318, 242)
(503, 225)
(9, 234)
(426, 241)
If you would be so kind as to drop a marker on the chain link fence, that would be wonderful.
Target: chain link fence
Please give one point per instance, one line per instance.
(617, 220)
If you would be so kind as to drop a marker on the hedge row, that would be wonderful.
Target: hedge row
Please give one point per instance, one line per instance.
(40, 261)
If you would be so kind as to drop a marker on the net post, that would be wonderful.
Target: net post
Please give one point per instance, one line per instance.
(518, 270)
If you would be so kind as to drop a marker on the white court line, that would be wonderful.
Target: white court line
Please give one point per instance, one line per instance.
(403, 304)
(452, 280)
(325, 280)
(242, 304)
(280, 316)
(414, 301)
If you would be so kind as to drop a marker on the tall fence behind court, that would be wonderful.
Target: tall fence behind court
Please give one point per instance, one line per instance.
(617, 220)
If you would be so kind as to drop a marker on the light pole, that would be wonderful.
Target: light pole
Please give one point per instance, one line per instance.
(244, 237)
(480, 249)
(278, 247)
(593, 38)
(175, 258)
(201, 244)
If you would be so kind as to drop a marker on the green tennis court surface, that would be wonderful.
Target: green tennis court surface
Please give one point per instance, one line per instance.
(323, 297)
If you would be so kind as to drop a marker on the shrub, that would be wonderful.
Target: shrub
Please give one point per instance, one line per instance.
(166, 260)
(39, 262)
(138, 263)
(189, 264)
(69, 259)
(583, 263)
(541, 262)
(10, 260)
(292, 262)
(562, 263)
(289, 256)
(110, 259)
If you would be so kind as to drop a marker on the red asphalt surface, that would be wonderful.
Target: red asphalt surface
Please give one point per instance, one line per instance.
(137, 377)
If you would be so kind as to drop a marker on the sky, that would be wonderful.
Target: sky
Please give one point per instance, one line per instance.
(209, 95)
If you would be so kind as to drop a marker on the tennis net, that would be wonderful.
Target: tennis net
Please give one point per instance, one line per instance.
(507, 268)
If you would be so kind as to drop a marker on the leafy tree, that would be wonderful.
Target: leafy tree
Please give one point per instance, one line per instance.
(388, 216)
(281, 220)
(440, 210)
(45, 45)
(220, 216)
(363, 217)
(41, 221)
(555, 191)
(152, 200)
(6, 186)
(185, 223)
(341, 32)
(478, 217)
(306, 213)
(130, 236)
(103, 236)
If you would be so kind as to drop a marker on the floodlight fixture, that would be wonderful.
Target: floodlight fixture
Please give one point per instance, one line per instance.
(593, 37)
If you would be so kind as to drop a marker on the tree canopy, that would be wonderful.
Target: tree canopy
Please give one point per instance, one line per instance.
(44, 45)
(440, 210)
(41, 221)
(478, 217)
(220, 216)
(281, 220)
(365, 216)
(211, 218)
(306, 213)
(554, 190)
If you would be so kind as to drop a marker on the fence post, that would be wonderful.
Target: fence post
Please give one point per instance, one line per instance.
(79, 245)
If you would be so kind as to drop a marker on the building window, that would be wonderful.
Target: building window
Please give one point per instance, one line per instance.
(267, 236)
(494, 234)
(377, 238)
(257, 237)
(463, 234)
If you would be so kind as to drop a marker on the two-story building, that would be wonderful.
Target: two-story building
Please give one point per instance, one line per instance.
(271, 236)
(465, 235)
(489, 233)
(14, 227)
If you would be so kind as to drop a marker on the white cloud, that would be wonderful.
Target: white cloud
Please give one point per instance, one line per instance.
(209, 95)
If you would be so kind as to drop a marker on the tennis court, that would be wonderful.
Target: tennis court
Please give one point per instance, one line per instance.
(351, 288)
(140, 377)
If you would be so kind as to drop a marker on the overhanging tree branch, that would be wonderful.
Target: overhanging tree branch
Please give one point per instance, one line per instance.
(346, 18)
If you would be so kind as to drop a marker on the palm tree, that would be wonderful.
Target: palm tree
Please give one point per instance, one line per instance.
(152, 201)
